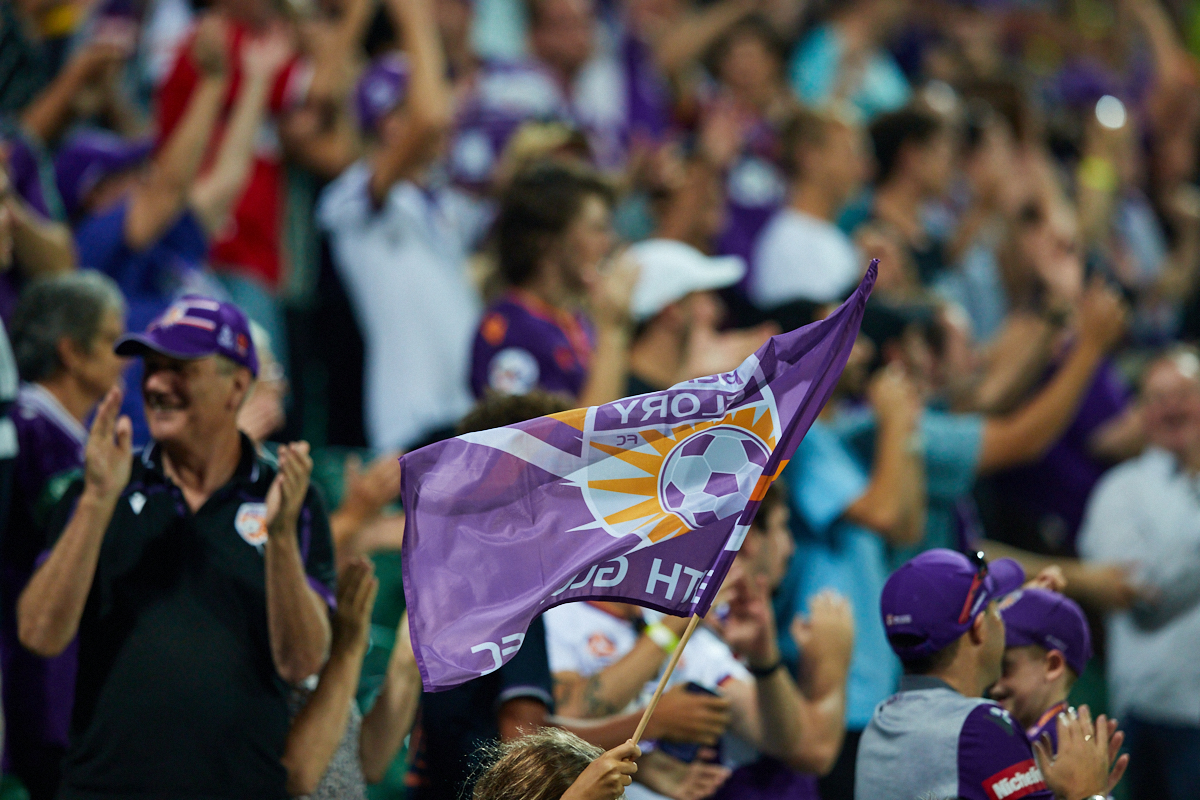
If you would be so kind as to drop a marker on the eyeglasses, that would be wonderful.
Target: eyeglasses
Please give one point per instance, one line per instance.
(981, 572)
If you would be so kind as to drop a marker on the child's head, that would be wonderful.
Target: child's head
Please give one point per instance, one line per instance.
(537, 766)
(1047, 647)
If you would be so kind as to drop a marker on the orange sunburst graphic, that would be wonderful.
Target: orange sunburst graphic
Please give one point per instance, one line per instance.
(648, 488)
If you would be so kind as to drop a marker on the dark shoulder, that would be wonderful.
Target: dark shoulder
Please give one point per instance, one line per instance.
(995, 759)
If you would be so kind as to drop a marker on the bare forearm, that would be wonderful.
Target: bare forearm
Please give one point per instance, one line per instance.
(688, 204)
(609, 371)
(607, 732)
(49, 610)
(616, 686)
(214, 195)
(881, 506)
(42, 247)
(390, 719)
(911, 527)
(429, 93)
(51, 110)
(296, 617)
(804, 733)
(686, 42)
(1018, 358)
(317, 730)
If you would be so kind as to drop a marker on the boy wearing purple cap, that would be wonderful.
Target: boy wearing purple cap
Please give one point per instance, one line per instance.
(1047, 646)
(196, 576)
(938, 737)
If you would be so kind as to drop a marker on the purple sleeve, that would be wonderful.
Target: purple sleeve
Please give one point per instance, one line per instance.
(26, 176)
(995, 761)
(507, 356)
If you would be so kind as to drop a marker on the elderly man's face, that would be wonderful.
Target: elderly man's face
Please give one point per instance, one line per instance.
(189, 400)
(1171, 398)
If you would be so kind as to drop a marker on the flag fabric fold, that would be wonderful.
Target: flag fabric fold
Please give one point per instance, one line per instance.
(645, 500)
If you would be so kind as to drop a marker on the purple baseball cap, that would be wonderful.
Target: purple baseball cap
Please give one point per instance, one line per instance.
(935, 597)
(89, 157)
(1049, 620)
(195, 327)
(381, 88)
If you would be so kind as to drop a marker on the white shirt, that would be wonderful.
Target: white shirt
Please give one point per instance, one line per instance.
(404, 267)
(1146, 513)
(801, 257)
(582, 638)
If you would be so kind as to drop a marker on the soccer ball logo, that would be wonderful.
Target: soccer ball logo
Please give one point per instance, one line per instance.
(710, 475)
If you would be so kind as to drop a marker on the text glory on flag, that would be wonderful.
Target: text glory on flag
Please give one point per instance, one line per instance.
(645, 500)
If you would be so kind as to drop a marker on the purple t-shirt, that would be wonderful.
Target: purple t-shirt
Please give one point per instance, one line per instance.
(1052, 493)
(35, 186)
(768, 779)
(38, 693)
(755, 189)
(1047, 724)
(523, 344)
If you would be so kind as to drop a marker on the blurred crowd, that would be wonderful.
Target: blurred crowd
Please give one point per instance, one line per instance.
(441, 216)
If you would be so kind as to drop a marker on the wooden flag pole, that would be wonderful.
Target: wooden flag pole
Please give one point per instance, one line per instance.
(662, 682)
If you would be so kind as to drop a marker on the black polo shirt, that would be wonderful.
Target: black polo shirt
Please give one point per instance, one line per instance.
(177, 694)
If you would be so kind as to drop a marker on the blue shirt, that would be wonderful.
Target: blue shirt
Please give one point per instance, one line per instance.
(814, 69)
(824, 479)
(149, 278)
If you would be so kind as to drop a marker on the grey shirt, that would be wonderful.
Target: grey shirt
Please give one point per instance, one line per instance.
(929, 741)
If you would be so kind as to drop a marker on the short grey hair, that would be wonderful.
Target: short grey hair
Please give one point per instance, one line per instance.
(71, 306)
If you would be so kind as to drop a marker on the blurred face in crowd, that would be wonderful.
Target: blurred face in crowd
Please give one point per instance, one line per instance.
(1171, 404)
(651, 18)
(768, 546)
(992, 653)
(191, 400)
(255, 13)
(749, 68)
(563, 33)
(839, 164)
(97, 368)
(585, 244)
(991, 166)
(1048, 252)
(956, 362)
(933, 162)
(1029, 684)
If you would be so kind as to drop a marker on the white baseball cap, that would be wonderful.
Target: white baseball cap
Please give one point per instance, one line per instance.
(672, 270)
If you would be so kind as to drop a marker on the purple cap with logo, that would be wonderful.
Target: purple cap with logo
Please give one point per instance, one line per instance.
(195, 327)
(381, 88)
(934, 598)
(1049, 620)
(91, 156)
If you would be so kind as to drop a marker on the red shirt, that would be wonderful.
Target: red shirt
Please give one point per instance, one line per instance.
(253, 241)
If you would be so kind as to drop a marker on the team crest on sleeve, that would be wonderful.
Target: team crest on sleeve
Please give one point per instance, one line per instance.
(251, 523)
(1016, 782)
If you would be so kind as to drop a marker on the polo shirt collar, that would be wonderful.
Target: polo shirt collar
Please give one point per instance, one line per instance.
(247, 469)
(916, 683)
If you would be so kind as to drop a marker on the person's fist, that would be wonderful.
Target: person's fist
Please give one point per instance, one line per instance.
(607, 776)
(893, 396)
(683, 716)
(826, 637)
(1102, 316)
(210, 47)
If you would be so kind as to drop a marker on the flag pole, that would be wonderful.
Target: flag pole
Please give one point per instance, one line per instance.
(662, 682)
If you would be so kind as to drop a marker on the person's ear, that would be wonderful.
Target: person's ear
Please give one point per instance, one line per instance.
(1056, 665)
(243, 381)
(70, 354)
(977, 632)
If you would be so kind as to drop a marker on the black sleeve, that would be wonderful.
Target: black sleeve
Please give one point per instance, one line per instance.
(316, 546)
(528, 673)
(62, 510)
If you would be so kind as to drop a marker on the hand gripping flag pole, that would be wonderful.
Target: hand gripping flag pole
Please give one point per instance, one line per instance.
(645, 500)
(666, 676)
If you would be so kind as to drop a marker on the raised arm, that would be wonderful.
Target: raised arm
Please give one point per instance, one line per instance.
(297, 620)
(610, 299)
(318, 729)
(429, 99)
(802, 729)
(390, 719)
(157, 203)
(893, 504)
(214, 195)
(52, 110)
(1024, 435)
(49, 610)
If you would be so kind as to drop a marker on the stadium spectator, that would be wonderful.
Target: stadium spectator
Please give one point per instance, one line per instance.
(938, 736)
(148, 222)
(554, 245)
(333, 749)
(1142, 515)
(384, 211)
(1047, 645)
(63, 333)
(679, 314)
(554, 765)
(801, 254)
(176, 617)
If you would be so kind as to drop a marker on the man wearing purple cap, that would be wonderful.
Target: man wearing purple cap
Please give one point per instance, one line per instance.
(938, 737)
(196, 576)
(1046, 648)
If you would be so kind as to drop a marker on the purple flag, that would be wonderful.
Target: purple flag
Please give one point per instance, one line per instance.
(645, 500)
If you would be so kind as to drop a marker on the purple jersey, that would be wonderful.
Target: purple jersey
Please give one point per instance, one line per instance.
(502, 96)
(768, 779)
(1047, 724)
(38, 693)
(523, 344)
(1051, 494)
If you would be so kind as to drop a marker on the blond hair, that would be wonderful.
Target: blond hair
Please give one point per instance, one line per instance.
(537, 766)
